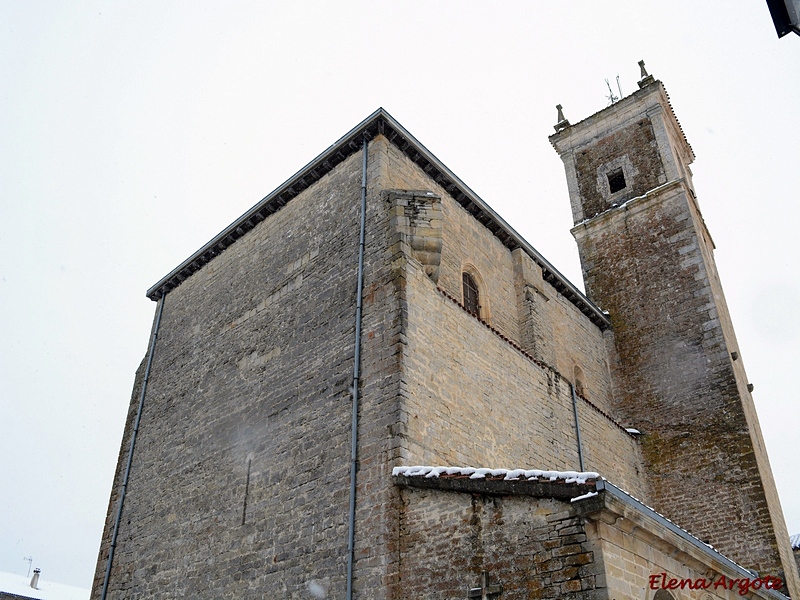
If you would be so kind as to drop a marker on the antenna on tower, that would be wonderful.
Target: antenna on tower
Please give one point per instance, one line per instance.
(619, 87)
(30, 562)
(611, 96)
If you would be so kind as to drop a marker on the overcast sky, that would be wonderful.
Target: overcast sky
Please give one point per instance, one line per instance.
(133, 132)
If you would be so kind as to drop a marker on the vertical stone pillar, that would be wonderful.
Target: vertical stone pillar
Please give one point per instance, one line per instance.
(417, 217)
(536, 331)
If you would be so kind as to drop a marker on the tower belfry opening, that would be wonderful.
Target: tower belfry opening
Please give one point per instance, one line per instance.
(616, 180)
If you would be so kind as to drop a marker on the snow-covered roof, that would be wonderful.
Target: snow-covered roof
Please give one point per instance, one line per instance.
(505, 474)
(795, 541)
(20, 585)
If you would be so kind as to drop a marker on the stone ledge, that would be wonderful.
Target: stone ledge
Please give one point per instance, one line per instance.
(498, 486)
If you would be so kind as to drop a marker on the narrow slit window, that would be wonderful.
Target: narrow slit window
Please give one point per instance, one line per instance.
(616, 180)
(471, 298)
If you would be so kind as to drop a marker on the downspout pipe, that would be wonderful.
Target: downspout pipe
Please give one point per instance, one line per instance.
(130, 450)
(577, 426)
(356, 375)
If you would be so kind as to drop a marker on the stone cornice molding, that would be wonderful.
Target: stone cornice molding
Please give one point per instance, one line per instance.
(379, 123)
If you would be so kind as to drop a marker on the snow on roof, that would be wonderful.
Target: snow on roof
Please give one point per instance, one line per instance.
(20, 585)
(506, 474)
(795, 541)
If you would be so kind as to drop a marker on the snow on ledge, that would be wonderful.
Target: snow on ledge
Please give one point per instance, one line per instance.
(584, 497)
(508, 475)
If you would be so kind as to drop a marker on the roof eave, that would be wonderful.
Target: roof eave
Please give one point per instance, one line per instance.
(379, 122)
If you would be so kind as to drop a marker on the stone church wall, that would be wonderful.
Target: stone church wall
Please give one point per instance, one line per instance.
(240, 477)
(643, 168)
(241, 472)
(553, 543)
(495, 407)
(771, 509)
(676, 372)
(634, 568)
(533, 547)
(474, 399)
(640, 558)
(567, 336)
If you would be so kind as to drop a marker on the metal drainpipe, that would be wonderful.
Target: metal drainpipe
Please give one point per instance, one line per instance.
(130, 451)
(577, 425)
(356, 374)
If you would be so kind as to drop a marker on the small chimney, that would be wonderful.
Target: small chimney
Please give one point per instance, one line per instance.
(35, 579)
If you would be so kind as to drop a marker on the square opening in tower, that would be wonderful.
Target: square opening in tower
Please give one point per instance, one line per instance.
(616, 180)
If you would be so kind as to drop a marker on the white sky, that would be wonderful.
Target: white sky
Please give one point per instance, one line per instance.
(131, 133)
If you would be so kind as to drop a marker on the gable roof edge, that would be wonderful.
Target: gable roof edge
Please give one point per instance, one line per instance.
(379, 122)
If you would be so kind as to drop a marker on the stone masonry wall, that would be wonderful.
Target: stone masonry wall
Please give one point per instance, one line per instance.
(379, 446)
(471, 397)
(240, 477)
(641, 558)
(736, 362)
(241, 472)
(637, 564)
(630, 562)
(466, 244)
(558, 334)
(641, 166)
(495, 407)
(677, 384)
(534, 548)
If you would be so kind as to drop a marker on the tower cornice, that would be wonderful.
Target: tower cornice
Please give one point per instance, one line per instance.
(651, 97)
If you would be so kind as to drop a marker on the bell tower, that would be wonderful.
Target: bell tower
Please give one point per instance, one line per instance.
(647, 258)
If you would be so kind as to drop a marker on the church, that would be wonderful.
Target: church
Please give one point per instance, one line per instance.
(370, 386)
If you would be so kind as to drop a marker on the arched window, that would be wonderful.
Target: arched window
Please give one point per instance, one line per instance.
(471, 296)
(663, 595)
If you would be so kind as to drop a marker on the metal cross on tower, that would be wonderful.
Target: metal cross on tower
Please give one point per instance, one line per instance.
(486, 591)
